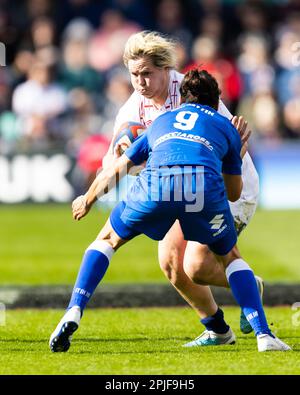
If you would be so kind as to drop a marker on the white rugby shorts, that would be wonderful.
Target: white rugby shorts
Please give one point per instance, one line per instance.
(242, 212)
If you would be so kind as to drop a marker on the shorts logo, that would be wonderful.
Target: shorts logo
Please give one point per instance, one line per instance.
(217, 221)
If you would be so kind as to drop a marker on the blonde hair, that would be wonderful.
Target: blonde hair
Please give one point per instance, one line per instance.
(160, 49)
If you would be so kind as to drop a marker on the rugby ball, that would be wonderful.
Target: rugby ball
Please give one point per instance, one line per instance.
(127, 133)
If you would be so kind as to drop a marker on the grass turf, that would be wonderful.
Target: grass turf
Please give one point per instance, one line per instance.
(43, 245)
(140, 341)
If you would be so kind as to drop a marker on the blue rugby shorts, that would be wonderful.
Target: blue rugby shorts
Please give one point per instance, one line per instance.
(214, 228)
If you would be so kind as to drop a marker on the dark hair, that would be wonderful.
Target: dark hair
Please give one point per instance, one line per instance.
(198, 86)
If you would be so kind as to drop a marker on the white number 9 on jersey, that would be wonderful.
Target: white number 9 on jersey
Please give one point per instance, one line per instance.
(185, 120)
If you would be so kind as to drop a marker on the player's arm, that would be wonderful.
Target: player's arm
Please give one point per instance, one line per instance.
(233, 185)
(232, 165)
(109, 177)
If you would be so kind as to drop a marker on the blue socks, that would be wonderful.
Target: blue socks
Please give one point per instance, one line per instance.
(216, 322)
(244, 288)
(93, 267)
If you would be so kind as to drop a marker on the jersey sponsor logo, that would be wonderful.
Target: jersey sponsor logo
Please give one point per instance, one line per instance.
(184, 136)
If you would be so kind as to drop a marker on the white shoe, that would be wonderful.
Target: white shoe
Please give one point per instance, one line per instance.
(210, 338)
(266, 342)
(60, 340)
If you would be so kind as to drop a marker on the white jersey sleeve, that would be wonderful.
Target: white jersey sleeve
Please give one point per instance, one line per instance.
(223, 110)
(244, 208)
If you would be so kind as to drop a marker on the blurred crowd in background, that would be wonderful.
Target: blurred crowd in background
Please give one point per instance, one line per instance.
(64, 79)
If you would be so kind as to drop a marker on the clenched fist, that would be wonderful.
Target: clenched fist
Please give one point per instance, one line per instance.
(80, 208)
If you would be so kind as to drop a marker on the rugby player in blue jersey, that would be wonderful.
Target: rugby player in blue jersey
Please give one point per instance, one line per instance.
(193, 167)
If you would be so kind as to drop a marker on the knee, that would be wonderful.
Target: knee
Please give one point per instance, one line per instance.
(170, 265)
(196, 271)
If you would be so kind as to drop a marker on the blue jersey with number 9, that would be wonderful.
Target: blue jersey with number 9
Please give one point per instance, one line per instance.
(187, 150)
(190, 135)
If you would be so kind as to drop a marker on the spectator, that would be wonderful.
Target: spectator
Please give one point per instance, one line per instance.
(117, 91)
(38, 100)
(20, 67)
(106, 46)
(254, 64)
(79, 122)
(206, 54)
(43, 33)
(43, 40)
(212, 26)
(83, 140)
(262, 112)
(138, 11)
(288, 70)
(255, 59)
(170, 19)
(291, 118)
(253, 17)
(75, 71)
(78, 29)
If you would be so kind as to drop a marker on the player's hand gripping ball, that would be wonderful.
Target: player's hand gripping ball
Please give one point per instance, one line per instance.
(127, 133)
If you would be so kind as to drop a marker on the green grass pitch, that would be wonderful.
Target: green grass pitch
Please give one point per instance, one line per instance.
(43, 245)
(140, 341)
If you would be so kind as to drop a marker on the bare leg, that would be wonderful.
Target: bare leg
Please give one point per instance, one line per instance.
(171, 253)
(108, 235)
(202, 266)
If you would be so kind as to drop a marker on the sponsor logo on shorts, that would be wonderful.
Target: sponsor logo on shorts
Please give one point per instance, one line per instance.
(220, 230)
(216, 223)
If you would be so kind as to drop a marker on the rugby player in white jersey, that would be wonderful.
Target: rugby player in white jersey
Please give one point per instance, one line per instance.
(151, 60)
(189, 266)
